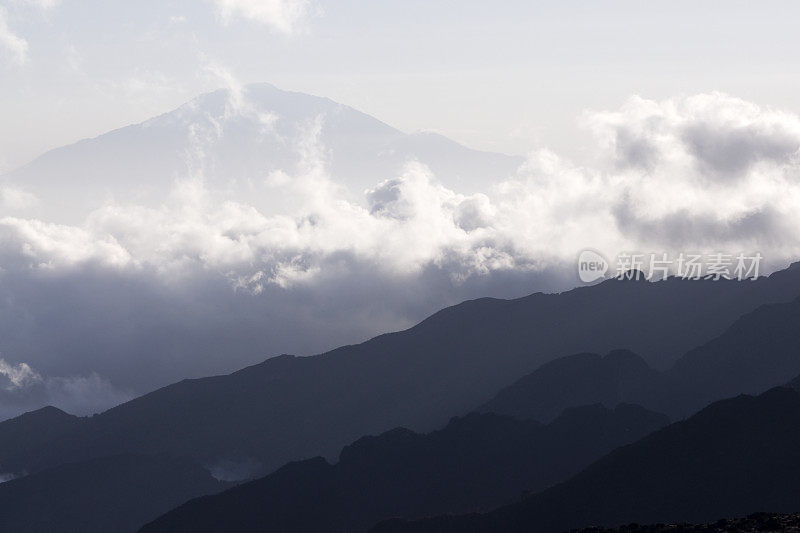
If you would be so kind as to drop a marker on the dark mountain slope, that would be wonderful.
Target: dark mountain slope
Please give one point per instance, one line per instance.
(476, 462)
(759, 351)
(32, 430)
(583, 379)
(789, 523)
(116, 493)
(288, 408)
(735, 457)
(756, 352)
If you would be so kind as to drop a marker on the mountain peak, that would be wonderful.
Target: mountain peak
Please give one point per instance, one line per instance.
(236, 139)
(46, 414)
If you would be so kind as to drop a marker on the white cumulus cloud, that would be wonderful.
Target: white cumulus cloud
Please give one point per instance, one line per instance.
(18, 376)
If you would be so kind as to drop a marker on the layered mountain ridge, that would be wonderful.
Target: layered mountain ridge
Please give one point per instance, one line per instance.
(288, 408)
(736, 457)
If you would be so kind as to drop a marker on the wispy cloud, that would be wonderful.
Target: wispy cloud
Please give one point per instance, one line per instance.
(281, 15)
(16, 48)
(23, 388)
(13, 199)
(41, 4)
(18, 376)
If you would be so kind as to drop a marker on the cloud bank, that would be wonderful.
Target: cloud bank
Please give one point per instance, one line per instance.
(707, 171)
(137, 296)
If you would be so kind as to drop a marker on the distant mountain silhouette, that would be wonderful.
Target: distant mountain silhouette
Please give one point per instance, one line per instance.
(246, 135)
(117, 493)
(290, 408)
(759, 351)
(32, 430)
(476, 462)
(735, 457)
(583, 379)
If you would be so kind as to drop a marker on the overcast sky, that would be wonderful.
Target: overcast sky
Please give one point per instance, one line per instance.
(505, 76)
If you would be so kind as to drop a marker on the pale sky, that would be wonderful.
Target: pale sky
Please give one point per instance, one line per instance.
(508, 76)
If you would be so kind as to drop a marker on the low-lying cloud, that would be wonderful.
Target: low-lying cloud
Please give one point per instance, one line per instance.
(138, 296)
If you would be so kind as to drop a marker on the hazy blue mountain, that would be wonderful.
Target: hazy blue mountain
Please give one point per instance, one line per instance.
(733, 458)
(759, 351)
(475, 462)
(235, 141)
(291, 408)
(252, 421)
(765, 346)
(117, 493)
